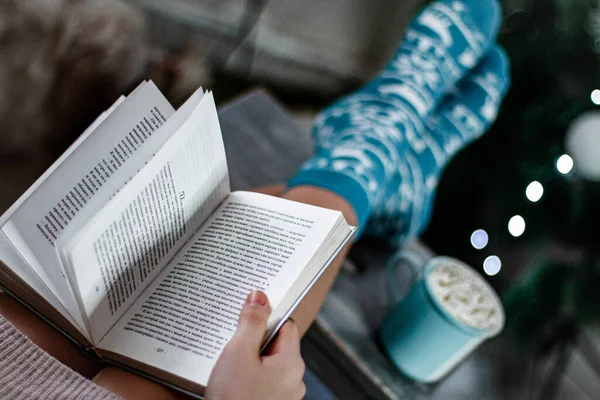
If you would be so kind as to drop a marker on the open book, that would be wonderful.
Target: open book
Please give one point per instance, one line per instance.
(132, 244)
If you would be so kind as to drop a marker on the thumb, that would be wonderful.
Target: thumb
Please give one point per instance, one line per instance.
(252, 324)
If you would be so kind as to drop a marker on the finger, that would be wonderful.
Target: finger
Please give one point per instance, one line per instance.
(287, 341)
(252, 323)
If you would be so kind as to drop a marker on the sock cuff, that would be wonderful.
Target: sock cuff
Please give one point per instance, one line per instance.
(344, 185)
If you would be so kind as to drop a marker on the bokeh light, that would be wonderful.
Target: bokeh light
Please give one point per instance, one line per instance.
(534, 191)
(492, 265)
(479, 239)
(516, 226)
(595, 96)
(564, 164)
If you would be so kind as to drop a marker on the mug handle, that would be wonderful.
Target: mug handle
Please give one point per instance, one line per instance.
(415, 262)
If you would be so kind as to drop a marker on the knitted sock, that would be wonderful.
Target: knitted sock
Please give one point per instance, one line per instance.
(404, 208)
(362, 140)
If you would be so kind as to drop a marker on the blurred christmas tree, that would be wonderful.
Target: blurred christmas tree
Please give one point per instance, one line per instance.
(550, 272)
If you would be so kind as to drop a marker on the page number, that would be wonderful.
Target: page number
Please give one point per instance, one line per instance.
(159, 350)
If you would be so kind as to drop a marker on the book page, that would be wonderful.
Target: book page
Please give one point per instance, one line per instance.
(184, 319)
(131, 240)
(82, 182)
(13, 259)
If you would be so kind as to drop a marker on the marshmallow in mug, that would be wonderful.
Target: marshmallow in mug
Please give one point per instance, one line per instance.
(466, 296)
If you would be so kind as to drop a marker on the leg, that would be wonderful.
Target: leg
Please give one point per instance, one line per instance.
(46, 337)
(272, 190)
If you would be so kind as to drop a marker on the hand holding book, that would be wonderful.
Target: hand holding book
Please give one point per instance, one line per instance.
(242, 372)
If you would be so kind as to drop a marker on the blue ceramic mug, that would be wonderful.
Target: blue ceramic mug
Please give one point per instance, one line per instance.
(429, 332)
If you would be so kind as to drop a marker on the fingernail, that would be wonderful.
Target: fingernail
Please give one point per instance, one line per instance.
(257, 297)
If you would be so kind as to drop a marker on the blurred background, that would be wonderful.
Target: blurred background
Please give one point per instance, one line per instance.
(520, 205)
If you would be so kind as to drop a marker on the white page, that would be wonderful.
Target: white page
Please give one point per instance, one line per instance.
(11, 257)
(103, 162)
(121, 251)
(206, 284)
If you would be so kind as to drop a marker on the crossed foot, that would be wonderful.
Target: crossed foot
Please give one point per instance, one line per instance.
(383, 148)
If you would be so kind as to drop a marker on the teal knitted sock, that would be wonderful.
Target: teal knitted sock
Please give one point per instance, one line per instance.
(404, 207)
(365, 140)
